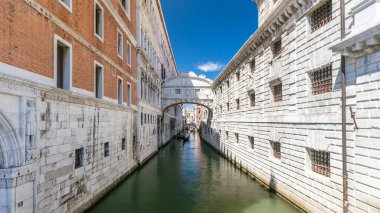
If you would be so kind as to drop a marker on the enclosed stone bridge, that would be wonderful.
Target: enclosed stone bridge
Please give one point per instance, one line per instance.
(187, 88)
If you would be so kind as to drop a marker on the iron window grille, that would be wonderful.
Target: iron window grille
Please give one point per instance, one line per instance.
(251, 142)
(277, 48)
(106, 149)
(252, 98)
(276, 146)
(123, 144)
(321, 16)
(79, 157)
(322, 81)
(320, 162)
(277, 92)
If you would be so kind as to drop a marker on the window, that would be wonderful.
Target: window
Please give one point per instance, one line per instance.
(98, 81)
(197, 90)
(177, 91)
(129, 54)
(228, 106)
(321, 16)
(237, 76)
(119, 91)
(221, 89)
(119, 44)
(142, 118)
(252, 98)
(99, 21)
(221, 108)
(126, 6)
(321, 81)
(228, 83)
(237, 104)
(226, 135)
(320, 162)
(129, 95)
(123, 144)
(79, 158)
(251, 142)
(277, 48)
(106, 149)
(67, 4)
(253, 66)
(237, 137)
(277, 92)
(276, 147)
(63, 65)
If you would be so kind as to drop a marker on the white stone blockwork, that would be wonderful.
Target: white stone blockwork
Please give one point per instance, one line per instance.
(300, 118)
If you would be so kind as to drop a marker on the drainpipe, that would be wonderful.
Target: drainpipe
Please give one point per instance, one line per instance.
(344, 129)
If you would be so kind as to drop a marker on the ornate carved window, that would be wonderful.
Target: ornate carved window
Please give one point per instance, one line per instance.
(276, 147)
(277, 48)
(277, 92)
(321, 16)
(320, 162)
(321, 81)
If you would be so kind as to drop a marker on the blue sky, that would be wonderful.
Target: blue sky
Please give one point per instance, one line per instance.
(206, 34)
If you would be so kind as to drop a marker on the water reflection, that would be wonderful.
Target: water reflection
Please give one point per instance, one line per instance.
(190, 177)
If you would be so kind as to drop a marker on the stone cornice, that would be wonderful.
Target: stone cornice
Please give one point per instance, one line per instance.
(269, 29)
(360, 44)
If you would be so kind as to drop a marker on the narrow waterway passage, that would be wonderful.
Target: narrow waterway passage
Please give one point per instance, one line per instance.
(190, 177)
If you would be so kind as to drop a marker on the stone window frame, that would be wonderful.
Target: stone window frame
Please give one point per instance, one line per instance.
(277, 48)
(320, 162)
(251, 141)
(127, 10)
(129, 54)
(276, 149)
(120, 44)
(97, 64)
(120, 93)
(252, 100)
(106, 150)
(67, 83)
(68, 4)
(123, 144)
(320, 15)
(326, 82)
(79, 158)
(129, 94)
(98, 5)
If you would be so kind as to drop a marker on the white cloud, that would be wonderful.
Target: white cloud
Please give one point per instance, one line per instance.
(210, 67)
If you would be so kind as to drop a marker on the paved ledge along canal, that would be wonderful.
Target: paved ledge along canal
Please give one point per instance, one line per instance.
(190, 177)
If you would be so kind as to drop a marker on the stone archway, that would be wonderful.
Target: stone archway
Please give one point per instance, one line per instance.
(11, 147)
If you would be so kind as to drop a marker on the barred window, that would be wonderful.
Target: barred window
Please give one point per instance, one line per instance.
(237, 76)
(320, 162)
(251, 142)
(277, 48)
(277, 92)
(253, 66)
(322, 81)
(252, 98)
(321, 16)
(276, 146)
(79, 157)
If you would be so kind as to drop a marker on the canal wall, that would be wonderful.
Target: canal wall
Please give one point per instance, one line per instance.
(68, 149)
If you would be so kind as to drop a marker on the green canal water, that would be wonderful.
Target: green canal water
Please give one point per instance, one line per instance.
(190, 177)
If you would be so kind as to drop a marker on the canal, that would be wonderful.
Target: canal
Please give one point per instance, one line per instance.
(190, 177)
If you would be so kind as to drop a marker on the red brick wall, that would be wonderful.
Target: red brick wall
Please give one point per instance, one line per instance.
(27, 41)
